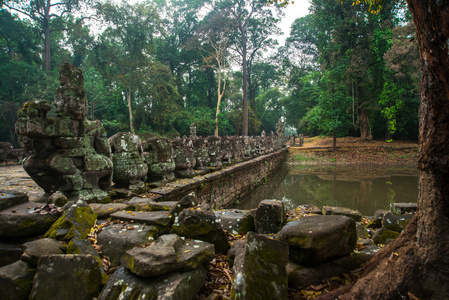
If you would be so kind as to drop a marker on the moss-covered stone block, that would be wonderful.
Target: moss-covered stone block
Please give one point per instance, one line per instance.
(76, 246)
(260, 269)
(382, 235)
(16, 280)
(317, 238)
(76, 222)
(201, 225)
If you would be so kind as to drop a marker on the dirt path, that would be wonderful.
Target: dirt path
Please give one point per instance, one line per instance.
(14, 177)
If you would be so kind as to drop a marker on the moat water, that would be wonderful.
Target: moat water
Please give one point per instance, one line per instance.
(365, 189)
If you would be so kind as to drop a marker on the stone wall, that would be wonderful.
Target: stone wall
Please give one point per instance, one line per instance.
(222, 188)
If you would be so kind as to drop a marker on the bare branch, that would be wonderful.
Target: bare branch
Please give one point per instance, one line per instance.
(20, 11)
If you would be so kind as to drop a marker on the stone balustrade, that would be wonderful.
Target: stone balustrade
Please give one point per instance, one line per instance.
(72, 154)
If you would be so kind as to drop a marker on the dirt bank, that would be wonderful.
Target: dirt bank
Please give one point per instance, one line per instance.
(354, 151)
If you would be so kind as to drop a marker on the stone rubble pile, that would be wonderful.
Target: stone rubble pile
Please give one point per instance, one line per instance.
(164, 250)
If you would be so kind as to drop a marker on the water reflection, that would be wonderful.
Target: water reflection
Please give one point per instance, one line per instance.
(361, 188)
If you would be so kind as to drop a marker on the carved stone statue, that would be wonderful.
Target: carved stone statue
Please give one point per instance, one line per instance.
(70, 153)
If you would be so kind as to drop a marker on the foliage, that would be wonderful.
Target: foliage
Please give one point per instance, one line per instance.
(342, 70)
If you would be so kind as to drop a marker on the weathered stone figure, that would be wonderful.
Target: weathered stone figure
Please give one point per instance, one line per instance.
(193, 131)
(130, 171)
(215, 152)
(184, 159)
(292, 140)
(235, 149)
(201, 154)
(226, 150)
(158, 155)
(71, 153)
(301, 140)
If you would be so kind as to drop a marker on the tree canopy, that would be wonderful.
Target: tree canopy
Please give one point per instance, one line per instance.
(152, 67)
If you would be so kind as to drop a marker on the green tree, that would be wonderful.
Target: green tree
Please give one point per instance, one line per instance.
(414, 264)
(50, 16)
(400, 96)
(245, 15)
(21, 79)
(213, 37)
(181, 18)
(128, 40)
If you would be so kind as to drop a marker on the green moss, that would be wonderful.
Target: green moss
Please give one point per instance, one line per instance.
(385, 235)
(128, 262)
(73, 249)
(247, 225)
(27, 223)
(193, 230)
(75, 222)
(375, 223)
(299, 241)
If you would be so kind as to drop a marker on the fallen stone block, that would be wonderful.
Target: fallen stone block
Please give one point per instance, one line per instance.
(69, 276)
(10, 198)
(160, 219)
(85, 247)
(380, 214)
(401, 208)
(260, 269)
(116, 239)
(190, 200)
(270, 216)
(58, 199)
(148, 204)
(396, 222)
(76, 222)
(168, 254)
(16, 280)
(317, 238)
(201, 224)
(33, 250)
(104, 211)
(235, 221)
(123, 284)
(25, 220)
(332, 210)
(302, 211)
(382, 236)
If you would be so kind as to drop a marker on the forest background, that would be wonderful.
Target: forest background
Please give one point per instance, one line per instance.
(155, 67)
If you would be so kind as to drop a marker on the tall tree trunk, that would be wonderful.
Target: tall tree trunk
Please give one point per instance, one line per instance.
(47, 56)
(417, 262)
(130, 110)
(220, 94)
(245, 83)
(365, 132)
(210, 85)
(252, 103)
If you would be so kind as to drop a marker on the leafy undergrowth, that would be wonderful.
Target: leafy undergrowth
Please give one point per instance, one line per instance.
(326, 286)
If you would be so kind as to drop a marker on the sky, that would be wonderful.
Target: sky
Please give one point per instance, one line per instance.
(292, 11)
